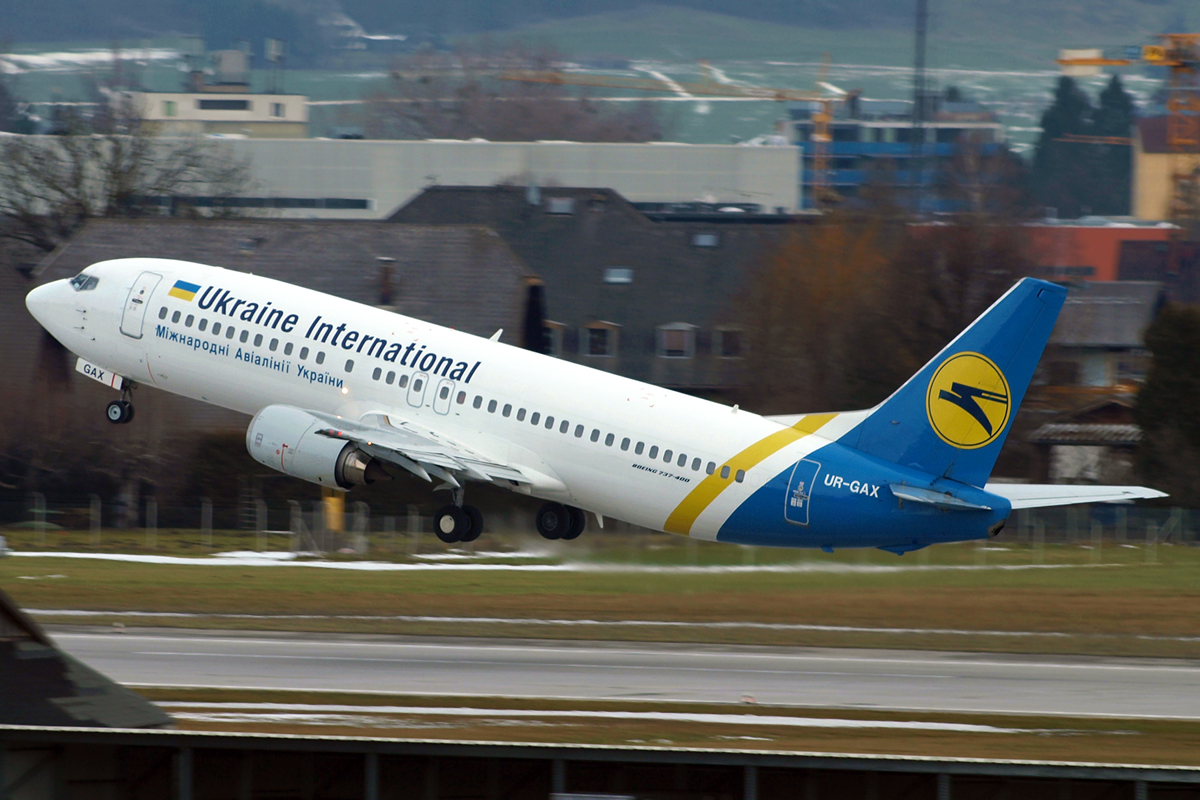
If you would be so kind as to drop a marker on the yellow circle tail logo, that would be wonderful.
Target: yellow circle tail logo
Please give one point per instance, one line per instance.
(968, 401)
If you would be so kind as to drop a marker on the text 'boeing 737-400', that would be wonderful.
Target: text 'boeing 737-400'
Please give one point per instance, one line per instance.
(344, 394)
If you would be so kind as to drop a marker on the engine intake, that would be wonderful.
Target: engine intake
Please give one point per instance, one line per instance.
(286, 439)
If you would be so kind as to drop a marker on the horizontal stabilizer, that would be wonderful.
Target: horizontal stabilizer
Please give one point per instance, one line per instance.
(915, 494)
(1032, 495)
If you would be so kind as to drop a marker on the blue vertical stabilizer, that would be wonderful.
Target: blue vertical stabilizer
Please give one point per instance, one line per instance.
(951, 418)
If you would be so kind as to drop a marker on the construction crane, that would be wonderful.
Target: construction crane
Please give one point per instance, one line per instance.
(821, 137)
(1179, 53)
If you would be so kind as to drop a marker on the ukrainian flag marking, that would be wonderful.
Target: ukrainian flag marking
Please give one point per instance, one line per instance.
(184, 290)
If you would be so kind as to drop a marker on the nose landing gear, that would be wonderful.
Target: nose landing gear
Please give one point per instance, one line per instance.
(120, 412)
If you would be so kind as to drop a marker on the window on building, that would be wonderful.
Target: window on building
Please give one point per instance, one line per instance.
(618, 275)
(728, 342)
(169, 108)
(705, 239)
(560, 205)
(600, 339)
(223, 105)
(278, 110)
(677, 340)
(553, 332)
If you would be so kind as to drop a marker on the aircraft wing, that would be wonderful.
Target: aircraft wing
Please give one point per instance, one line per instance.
(1032, 495)
(417, 448)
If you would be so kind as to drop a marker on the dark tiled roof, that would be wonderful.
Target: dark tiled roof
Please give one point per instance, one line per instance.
(1108, 314)
(674, 281)
(463, 277)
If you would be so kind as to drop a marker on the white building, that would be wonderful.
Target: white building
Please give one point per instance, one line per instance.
(232, 113)
(368, 179)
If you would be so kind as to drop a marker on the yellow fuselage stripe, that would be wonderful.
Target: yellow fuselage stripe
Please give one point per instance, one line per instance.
(686, 513)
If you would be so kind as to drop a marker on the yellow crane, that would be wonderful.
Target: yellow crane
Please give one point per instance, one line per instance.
(822, 194)
(1180, 54)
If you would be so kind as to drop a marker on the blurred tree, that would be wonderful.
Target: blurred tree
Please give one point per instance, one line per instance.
(106, 166)
(457, 95)
(1078, 178)
(1169, 456)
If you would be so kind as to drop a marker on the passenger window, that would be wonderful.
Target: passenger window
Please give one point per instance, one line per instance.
(521, 415)
(608, 440)
(321, 357)
(595, 434)
(725, 472)
(478, 401)
(230, 331)
(287, 349)
(462, 398)
(190, 319)
(162, 313)
(216, 331)
(549, 423)
(175, 317)
(625, 443)
(245, 335)
(578, 431)
(507, 409)
(682, 460)
(711, 468)
(534, 418)
(444, 393)
(741, 475)
(653, 451)
(418, 385)
(203, 326)
(491, 406)
(640, 447)
(564, 427)
(695, 465)
(349, 365)
(258, 340)
(376, 373)
(274, 345)
(667, 456)
(403, 381)
(303, 353)
(391, 376)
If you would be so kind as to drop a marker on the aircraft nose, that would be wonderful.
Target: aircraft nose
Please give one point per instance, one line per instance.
(42, 302)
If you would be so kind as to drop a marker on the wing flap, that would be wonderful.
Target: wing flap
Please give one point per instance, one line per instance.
(1032, 495)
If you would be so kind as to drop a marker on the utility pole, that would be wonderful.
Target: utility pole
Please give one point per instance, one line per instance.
(918, 110)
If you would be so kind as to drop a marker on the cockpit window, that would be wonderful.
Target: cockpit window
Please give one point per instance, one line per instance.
(84, 283)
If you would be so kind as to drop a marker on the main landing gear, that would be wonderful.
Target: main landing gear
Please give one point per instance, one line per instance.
(457, 522)
(120, 412)
(558, 521)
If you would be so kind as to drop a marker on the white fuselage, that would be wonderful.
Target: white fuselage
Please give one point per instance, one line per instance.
(302, 348)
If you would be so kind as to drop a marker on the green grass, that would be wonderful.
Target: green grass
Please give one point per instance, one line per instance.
(1050, 738)
(1104, 605)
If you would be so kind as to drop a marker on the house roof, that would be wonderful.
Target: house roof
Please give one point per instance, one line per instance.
(1086, 434)
(464, 277)
(675, 276)
(1108, 314)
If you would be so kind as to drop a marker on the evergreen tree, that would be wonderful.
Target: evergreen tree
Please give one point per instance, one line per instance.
(1064, 173)
(1169, 456)
(1115, 117)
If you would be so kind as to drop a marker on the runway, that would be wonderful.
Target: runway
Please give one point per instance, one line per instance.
(835, 678)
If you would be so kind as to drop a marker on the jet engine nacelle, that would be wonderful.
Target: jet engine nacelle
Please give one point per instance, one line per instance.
(286, 439)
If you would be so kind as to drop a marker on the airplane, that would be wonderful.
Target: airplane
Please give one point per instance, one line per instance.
(343, 394)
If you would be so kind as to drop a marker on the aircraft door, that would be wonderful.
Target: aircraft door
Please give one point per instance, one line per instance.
(135, 305)
(416, 389)
(444, 396)
(799, 492)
